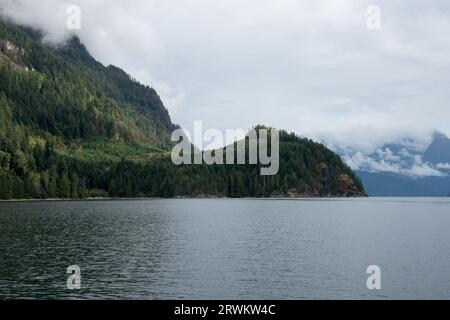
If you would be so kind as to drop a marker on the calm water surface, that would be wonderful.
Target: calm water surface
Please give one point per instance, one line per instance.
(226, 249)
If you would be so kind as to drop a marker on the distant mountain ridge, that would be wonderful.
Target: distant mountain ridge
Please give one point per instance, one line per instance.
(387, 184)
(403, 169)
(439, 150)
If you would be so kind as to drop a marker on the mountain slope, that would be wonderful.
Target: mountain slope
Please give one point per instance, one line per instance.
(307, 169)
(439, 150)
(73, 128)
(52, 92)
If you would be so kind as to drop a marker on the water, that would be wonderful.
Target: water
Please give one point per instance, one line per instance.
(226, 249)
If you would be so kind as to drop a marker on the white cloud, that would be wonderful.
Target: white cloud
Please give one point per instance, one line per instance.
(309, 66)
(423, 170)
(388, 162)
(445, 166)
(387, 154)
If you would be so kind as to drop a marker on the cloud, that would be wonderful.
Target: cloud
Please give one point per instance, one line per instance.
(424, 170)
(386, 161)
(309, 66)
(387, 154)
(444, 166)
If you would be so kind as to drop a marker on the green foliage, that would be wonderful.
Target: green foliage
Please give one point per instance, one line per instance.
(306, 169)
(66, 93)
(72, 128)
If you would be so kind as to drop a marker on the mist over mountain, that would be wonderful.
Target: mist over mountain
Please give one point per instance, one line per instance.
(404, 169)
(308, 66)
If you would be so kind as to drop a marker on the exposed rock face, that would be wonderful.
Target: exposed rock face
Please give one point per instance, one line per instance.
(8, 48)
(348, 187)
(10, 53)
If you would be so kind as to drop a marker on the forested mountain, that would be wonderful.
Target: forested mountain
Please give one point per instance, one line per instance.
(73, 128)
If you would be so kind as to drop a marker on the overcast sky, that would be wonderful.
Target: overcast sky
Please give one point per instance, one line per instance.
(312, 67)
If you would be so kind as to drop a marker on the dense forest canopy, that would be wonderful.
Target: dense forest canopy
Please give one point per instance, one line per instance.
(73, 128)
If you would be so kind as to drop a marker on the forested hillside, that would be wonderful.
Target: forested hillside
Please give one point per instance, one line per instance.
(73, 128)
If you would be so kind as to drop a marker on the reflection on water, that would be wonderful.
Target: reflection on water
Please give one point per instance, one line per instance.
(226, 249)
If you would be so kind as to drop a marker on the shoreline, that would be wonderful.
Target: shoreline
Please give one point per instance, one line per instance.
(179, 198)
(336, 198)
